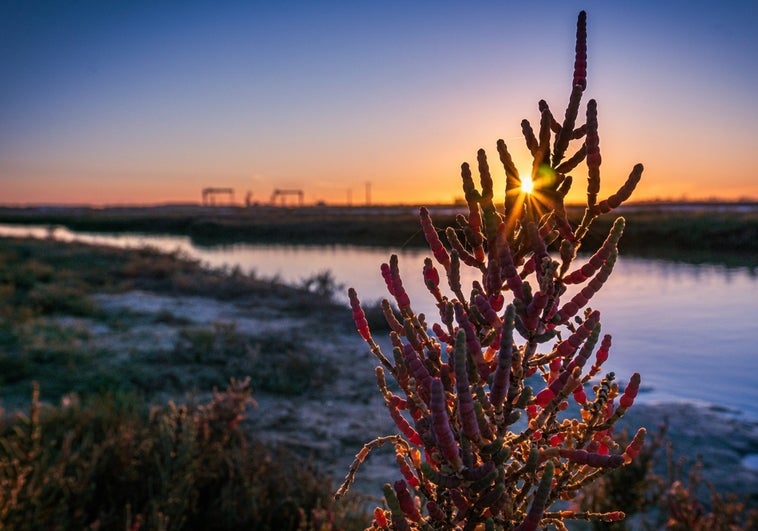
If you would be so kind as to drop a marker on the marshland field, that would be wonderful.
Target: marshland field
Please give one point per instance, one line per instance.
(114, 333)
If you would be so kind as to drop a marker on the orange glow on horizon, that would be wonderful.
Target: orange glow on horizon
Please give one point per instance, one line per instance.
(417, 185)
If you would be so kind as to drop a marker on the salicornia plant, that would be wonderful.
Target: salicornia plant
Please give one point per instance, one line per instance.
(487, 435)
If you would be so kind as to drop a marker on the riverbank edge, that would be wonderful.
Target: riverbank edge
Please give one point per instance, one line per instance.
(702, 232)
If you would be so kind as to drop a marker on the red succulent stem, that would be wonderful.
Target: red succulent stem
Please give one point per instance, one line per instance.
(531, 141)
(539, 248)
(432, 238)
(466, 413)
(502, 378)
(580, 57)
(454, 276)
(573, 161)
(537, 508)
(484, 423)
(441, 334)
(359, 317)
(403, 425)
(418, 370)
(405, 500)
(534, 309)
(399, 521)
(465, 256)
(569, 121)
(561, 218)
(630, 392)
(581, 299)
(543, 148)
(441, 426)
(401, 297)
(491, 218)
(564, 185)
(474, 215)
(460, 501)
(529, 267)
(512, 179)
(405, 469)
(389, 316)
(622, 194)
(567, 348)
(485, 308)
(435, 512)
(438, 478)
(396, 401)
(580, 397)
(432, 279)
(387, 276)
(473, 346)
(634, 447)
(380, 517)
(508, 269)
(505, 157)
(546, 396)
(599, 258)
(485, 179)
(593, 155)
(478, 472)
(586, 350)
(601, 356)
(583, 457)
(555, 127)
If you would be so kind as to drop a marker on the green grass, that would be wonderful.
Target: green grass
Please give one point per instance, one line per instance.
(47, 310)
(706, 235)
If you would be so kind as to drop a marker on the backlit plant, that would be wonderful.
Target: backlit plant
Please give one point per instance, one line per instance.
(483, 398)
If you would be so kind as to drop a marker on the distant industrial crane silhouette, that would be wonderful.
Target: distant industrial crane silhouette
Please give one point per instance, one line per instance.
(283, 193)
(209, 195)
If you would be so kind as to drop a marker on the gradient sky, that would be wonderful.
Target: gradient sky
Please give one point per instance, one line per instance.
(148, 102)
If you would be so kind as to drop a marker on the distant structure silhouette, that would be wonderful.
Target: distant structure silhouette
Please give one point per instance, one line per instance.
(209, 195)
(282, 194)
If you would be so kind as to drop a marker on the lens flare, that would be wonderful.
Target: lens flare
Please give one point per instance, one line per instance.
(527, 185)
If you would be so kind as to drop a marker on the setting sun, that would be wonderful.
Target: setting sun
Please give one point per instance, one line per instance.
(527, 185)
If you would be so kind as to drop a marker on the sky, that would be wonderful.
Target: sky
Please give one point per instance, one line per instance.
(137, 102)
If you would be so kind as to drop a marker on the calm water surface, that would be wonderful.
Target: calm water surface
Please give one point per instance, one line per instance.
(690, 330)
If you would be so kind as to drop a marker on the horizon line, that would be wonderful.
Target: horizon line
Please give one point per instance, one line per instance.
(323, 204)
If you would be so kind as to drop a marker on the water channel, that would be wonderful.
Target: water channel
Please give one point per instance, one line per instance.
(690, 330)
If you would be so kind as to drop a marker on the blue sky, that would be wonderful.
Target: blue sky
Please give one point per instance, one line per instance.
(148, 102)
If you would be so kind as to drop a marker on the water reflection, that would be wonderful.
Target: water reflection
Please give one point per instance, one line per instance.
(688, 329)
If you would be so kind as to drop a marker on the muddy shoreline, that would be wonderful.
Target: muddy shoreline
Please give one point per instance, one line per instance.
(331, 421)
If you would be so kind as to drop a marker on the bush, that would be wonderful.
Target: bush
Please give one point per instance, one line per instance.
(110, 464)
(674, 500)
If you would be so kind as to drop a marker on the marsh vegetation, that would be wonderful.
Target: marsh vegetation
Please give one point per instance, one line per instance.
(698, 232)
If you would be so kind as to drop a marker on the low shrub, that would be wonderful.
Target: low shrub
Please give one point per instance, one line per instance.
(678, 499)
(284, 365)
(109, 463)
